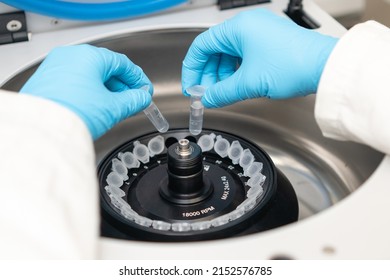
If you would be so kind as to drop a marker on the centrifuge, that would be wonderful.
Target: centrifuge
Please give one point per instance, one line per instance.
(259, 181)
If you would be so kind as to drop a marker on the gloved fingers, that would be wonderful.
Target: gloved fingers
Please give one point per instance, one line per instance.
(130, 102)
(208, 43)
(209, 76)
(189, 77)
(116, 85)
(123, 69)
(195, 61)
(227, 66)
(118, 106)
(222, 93)
(219, 67)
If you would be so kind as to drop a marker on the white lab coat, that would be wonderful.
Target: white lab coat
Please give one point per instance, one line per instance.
(353, 98)
(48, 189)
(49, 193)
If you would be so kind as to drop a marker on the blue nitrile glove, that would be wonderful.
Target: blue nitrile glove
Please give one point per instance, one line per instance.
(277, 58)
(100, 86)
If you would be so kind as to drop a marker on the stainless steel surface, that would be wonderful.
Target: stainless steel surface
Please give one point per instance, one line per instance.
(322, 171)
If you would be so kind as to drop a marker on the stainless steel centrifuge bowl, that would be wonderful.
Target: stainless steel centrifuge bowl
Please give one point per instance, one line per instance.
(322, 171)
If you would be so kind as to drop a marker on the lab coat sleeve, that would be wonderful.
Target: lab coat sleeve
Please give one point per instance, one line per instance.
(353, 98)
(48, 186)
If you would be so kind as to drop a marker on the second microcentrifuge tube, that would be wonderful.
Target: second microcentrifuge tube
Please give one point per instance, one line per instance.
(235, 151)
(141, 152)
(196, 109)
(156, 145)
(221, 146)
(206, 142)
(155, 116)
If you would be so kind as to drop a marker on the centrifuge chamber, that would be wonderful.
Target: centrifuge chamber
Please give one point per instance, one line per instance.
(322, 171)
(326, 175)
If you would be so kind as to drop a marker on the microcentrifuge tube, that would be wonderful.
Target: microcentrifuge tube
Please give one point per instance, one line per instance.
(120, 168)
(247, 204)
(181, 227)
(117, 202)
(235, 151)
(142, 221)
(157, 119)
(114, 179)
(141, 152)
(160, 225)
(255, 180)
(196, 109)
(129, 213)
(255, 191)
(155, 116)
(115, 191)
(201, 225)
(221, 146)
(206, 142)
(246, 159)
(254, 168)
(220, 220)
(129, 160)
(236, 214)
(156, 145)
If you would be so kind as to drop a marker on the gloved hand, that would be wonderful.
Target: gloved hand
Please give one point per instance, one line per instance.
(278, 59)
(100, 86)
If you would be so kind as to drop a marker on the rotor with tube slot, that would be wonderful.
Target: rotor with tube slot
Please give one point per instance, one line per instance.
(177, 187)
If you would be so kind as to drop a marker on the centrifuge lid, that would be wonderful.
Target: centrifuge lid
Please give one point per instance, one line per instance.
(94, 10)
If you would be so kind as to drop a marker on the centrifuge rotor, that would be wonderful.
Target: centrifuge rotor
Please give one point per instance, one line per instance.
(177, 187)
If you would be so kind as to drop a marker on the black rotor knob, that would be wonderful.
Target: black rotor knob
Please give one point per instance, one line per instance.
(186, 182)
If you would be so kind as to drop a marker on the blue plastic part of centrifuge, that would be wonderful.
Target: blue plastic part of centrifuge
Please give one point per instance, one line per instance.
(93, 11)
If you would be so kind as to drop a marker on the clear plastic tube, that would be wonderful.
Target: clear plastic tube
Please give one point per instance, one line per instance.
(119, 168)
(206, 142)
(155, 116)
(221, 146)
(235, 151)
(156, 145)
(196, 109)
(129, 160)
(141, 152)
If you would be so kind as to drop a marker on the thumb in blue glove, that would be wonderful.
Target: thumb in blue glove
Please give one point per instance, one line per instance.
(276, 59)
(100, 86)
